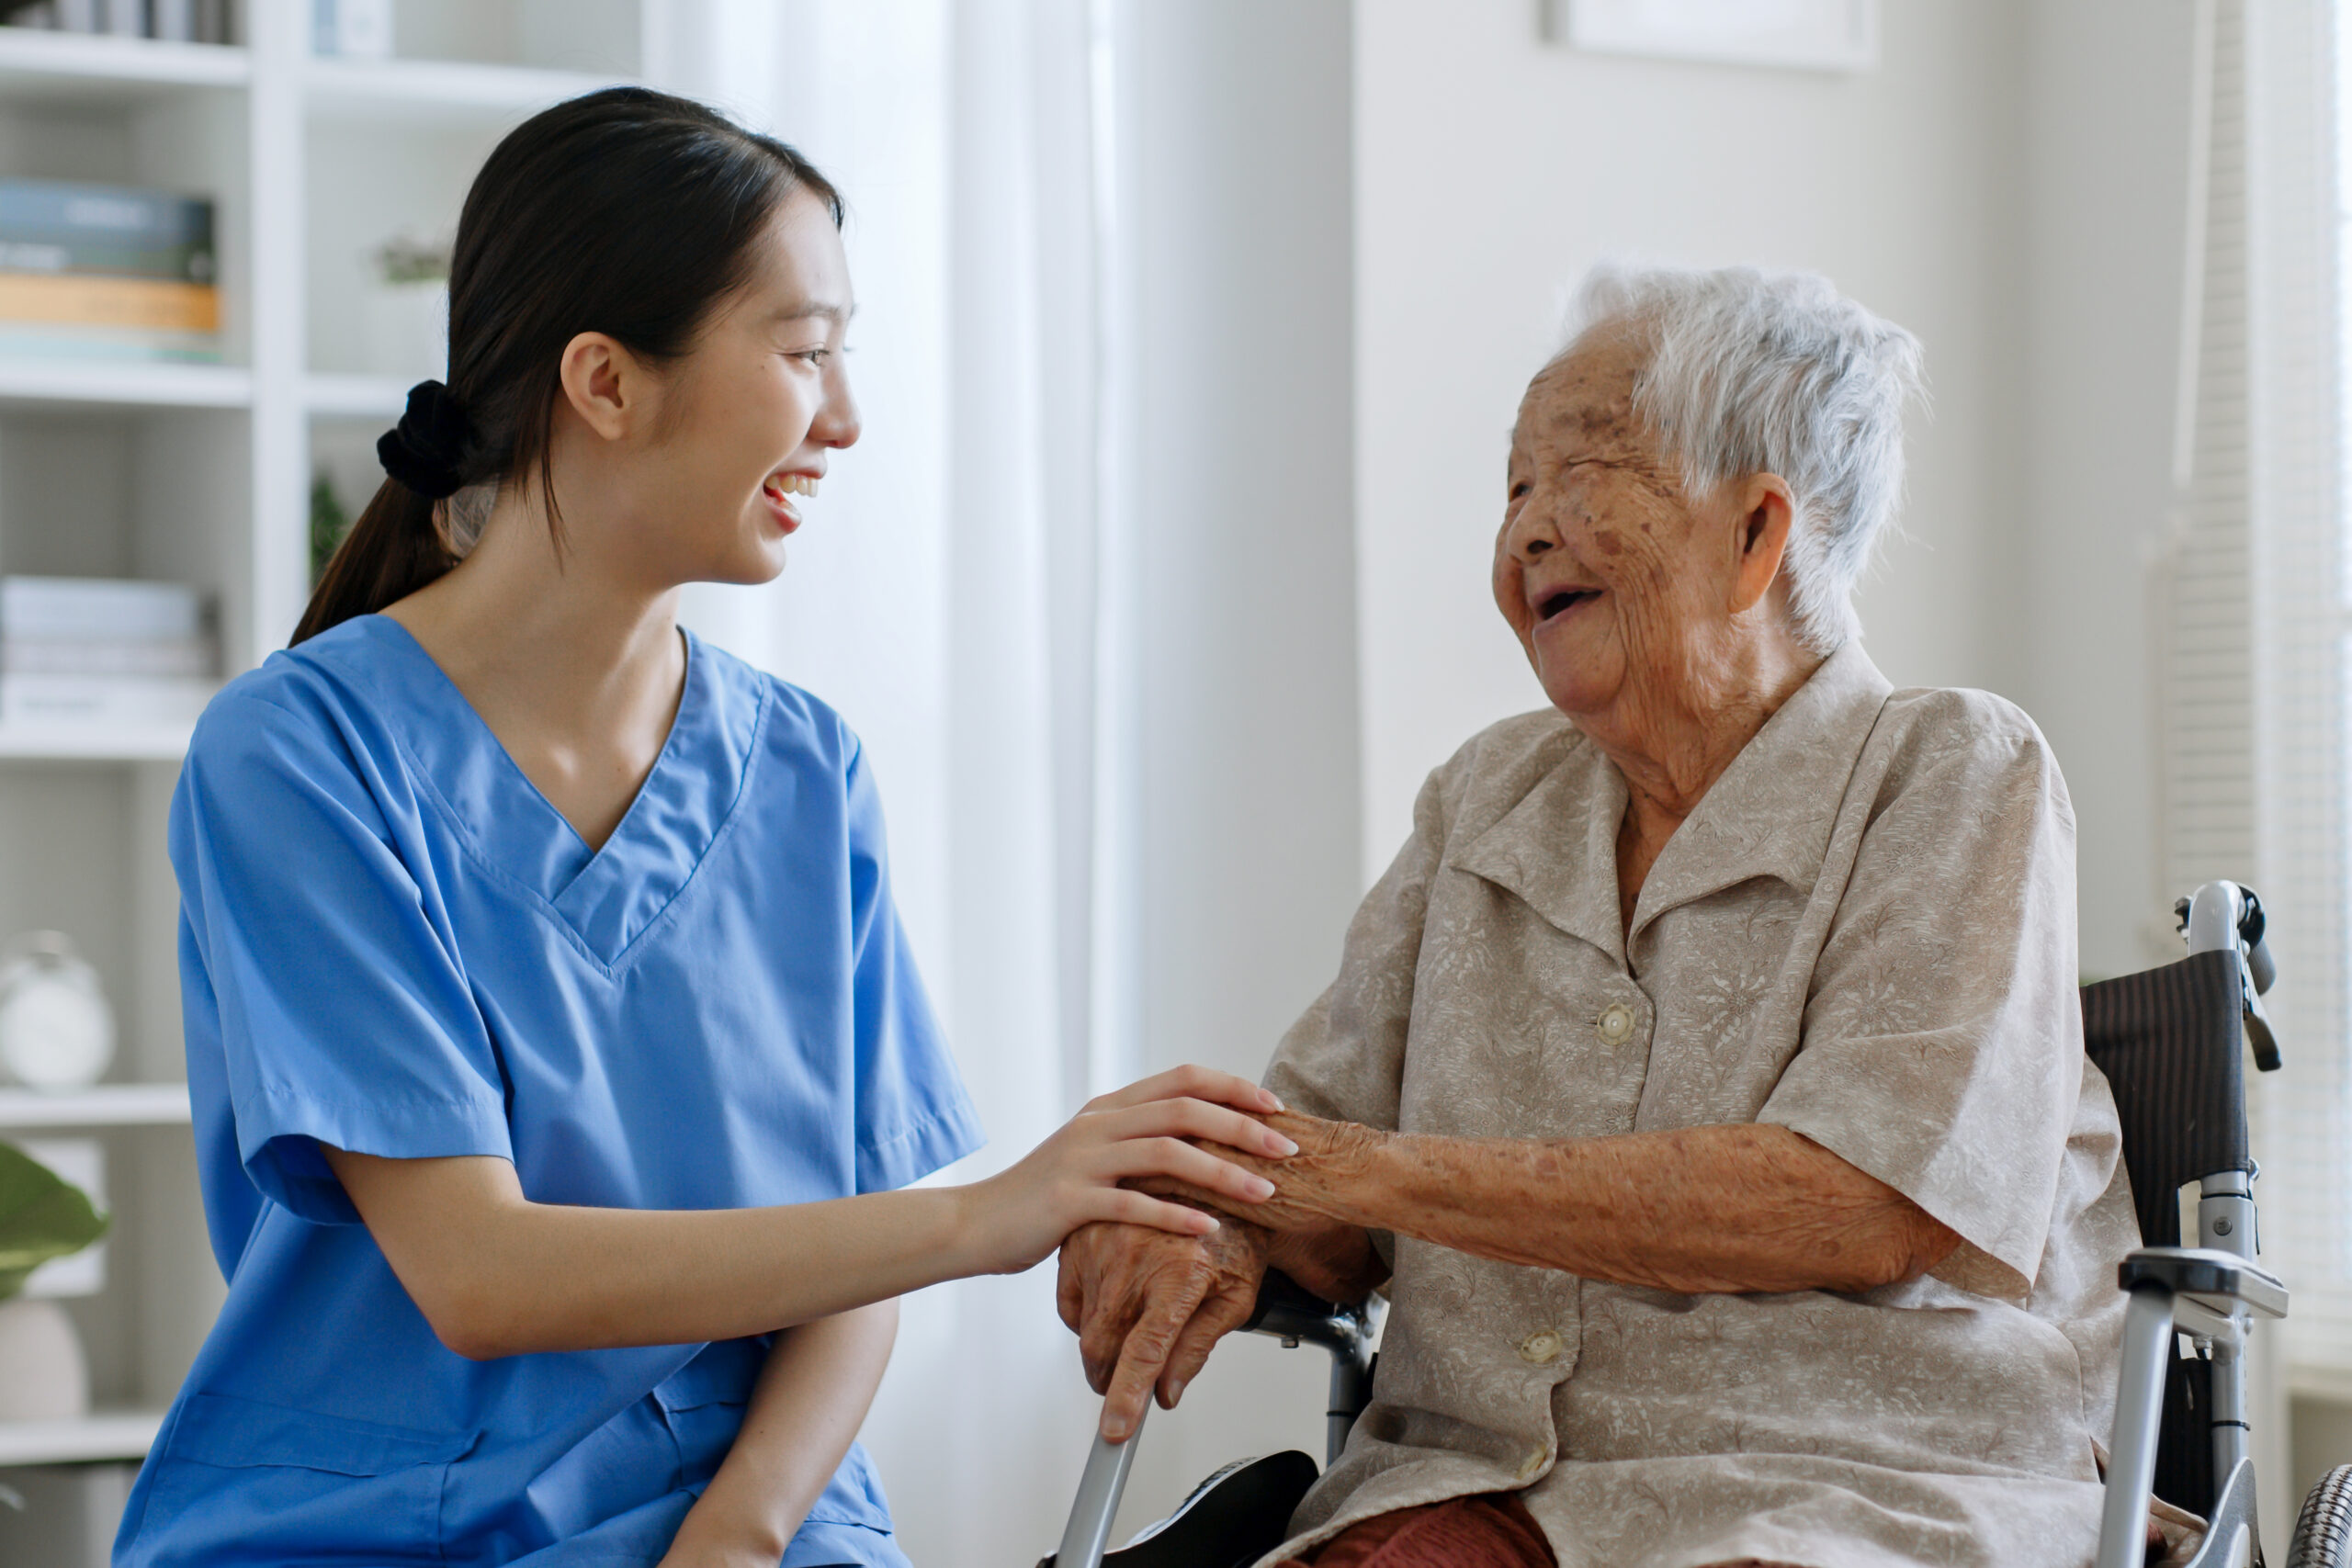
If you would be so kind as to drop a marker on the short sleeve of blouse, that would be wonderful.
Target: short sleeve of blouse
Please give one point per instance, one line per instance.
(344, 1018)
(914, 1116)
(1942, 1048)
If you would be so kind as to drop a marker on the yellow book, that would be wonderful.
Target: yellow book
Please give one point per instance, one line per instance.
(81, 300)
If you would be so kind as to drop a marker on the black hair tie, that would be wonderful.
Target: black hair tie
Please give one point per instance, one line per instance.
(428, 448)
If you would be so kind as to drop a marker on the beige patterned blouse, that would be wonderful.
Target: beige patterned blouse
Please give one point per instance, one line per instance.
(1864, 933)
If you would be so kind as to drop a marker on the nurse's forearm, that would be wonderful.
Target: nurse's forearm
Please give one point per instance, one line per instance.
(805, 1412)
(498, 1275)
(1738, 1207)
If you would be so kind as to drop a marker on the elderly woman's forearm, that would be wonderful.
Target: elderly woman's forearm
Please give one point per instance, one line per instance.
(1744, 1207)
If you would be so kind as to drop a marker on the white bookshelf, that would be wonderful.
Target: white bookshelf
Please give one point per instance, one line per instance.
(202, 472)
(53, 67)
(102, 1435)
(129, 386)
(106, 1105)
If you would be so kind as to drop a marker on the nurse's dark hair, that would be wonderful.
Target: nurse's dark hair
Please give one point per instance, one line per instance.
(628, 212)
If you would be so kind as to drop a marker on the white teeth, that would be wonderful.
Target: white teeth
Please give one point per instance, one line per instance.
(794, 484)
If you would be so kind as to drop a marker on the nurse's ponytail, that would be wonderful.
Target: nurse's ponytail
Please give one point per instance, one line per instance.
(628, 212)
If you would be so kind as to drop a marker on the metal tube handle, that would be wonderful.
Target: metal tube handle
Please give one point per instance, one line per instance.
(2138, 1409)
(1088, 1534)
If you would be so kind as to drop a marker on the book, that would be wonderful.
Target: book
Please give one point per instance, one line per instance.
(106, 345)
(177, 21)
(358, 29)
(102, 699)
(151, 304)
(177, 657)
(99, 609)
(56, 226)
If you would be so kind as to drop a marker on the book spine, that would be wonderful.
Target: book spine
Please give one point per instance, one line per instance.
(102, 609)
(119, 215)
(181, 657)
(140, 303)
(108, 345)
(183, 263)
(102, 699)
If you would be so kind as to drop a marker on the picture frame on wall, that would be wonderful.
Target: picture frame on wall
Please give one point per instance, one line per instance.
(1801, 35)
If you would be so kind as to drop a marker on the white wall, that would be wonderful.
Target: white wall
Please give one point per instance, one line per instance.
(1493, 168)
(2010, 183)
(2107, 184)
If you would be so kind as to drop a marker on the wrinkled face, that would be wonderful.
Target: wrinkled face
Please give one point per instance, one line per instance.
(1616, 585)
(749, 417)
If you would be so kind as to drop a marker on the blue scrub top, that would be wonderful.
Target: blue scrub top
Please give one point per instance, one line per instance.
(392, 943)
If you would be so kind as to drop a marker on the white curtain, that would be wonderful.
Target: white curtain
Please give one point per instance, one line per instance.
(949, 595)
(2255, 722)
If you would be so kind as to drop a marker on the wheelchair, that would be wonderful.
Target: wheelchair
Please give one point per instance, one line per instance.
(2169, 1041)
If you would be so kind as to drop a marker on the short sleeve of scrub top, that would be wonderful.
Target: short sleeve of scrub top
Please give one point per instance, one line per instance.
(344, 1017)
(392, 944)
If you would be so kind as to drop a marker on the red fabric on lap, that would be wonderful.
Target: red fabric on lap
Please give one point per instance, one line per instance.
(1493, 1531)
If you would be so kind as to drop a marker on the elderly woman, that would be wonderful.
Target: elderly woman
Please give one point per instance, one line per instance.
(1704, 1080)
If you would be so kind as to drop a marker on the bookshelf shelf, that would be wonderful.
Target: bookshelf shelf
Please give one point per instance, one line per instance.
(442, 94)
(129, 384)
(107, 1105)
(45, 65)
(105, 1435)
(93, 742)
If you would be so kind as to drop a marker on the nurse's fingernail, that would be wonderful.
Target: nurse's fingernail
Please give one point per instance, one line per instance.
(1282, 1146)
(1273, 1100)
(1258, 1187)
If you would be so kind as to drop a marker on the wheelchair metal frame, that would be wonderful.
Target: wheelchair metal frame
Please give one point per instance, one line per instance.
(2201, 1299)
(2198, 1300)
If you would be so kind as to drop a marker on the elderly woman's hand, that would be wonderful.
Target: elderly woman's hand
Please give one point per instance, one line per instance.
(1147, 1306)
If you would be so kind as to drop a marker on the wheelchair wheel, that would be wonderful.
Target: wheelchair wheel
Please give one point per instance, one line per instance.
(2324, 1533)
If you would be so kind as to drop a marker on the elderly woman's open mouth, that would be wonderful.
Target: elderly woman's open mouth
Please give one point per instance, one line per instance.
(1555, 602)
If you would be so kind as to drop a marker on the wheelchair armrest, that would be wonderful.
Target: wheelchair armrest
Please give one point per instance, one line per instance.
(2213, 1279)
(1291, 1313)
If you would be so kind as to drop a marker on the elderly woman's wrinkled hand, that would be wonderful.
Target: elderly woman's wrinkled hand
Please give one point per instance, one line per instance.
(1147, 1306)
(1322, 1185)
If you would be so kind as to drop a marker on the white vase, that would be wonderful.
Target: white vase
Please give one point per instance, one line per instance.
(408, 329)
(43, 1376)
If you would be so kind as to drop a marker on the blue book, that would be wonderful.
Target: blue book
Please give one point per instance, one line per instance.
(52, 226)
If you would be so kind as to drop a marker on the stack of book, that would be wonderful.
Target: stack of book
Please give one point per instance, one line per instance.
(106, 271)
(179, 21)
(103, 651)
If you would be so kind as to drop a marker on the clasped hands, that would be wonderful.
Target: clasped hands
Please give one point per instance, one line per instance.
(1148, 1305)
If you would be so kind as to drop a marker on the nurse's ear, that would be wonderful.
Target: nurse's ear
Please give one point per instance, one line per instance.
(614, 393)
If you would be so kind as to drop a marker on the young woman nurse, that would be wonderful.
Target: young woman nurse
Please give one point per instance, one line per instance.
(556, 1052)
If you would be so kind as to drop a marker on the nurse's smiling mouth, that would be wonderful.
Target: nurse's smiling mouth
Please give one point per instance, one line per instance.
(778, 490)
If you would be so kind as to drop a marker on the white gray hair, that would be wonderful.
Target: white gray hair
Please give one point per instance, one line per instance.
(1772, 372)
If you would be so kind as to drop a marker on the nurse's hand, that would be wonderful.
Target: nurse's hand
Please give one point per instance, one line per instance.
(1073, 1177)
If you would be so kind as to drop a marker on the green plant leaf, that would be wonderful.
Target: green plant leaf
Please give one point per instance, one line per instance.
(42, 1215)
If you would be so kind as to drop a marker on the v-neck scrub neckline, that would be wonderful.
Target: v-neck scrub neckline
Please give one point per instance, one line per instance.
(607, 895)
(392, 943)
